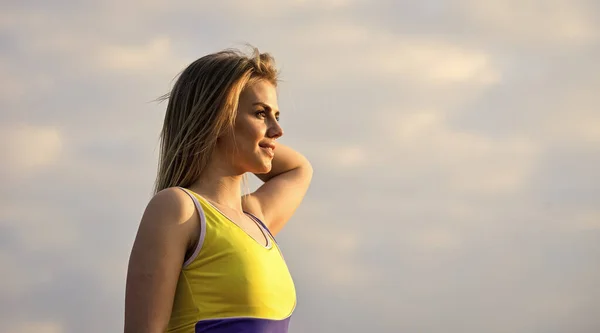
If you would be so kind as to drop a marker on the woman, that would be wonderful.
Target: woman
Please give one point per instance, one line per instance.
(204, 258)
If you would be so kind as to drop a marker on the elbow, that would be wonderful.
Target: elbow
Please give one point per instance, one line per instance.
(306, 166)
(306, 170)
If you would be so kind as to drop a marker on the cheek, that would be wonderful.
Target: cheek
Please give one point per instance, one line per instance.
(249, 131)
(246, 139)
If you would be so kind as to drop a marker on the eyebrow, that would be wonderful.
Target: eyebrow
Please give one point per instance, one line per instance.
(267, 107)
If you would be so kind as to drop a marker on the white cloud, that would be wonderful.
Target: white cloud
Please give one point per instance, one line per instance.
(420, 182)
(501, 167)
(466, 161)
(436, 62)
(413, 126)
(326, 3)
(535, 21)
(350, 49)
(340, 156)
(28, 148)
(38, 327)
(580, 124)
(261, 9)
(154, 55)
(85, 51)
(350, 156)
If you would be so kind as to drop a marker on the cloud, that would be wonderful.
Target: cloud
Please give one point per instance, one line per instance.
(277, 9)
(454, 147)
(437, 62)
(155, 55)
(330, 258)
(359, 51)
(535, 21)
(467, 161)
(29, 148)
(349, 156)
(326, 4)
(581, 124)
(38, 327)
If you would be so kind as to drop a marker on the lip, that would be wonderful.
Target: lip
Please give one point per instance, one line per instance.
(268, 151)
(267, 145)
(268, 148)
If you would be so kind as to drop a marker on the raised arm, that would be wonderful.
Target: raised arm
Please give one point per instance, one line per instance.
(164, 235)
(285, 186)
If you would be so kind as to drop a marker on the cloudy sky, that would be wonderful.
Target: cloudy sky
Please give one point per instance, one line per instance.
(456, 147)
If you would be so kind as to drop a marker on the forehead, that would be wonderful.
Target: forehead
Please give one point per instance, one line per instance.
(260, 92)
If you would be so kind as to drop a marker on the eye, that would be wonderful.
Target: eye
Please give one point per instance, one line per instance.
(261, 114)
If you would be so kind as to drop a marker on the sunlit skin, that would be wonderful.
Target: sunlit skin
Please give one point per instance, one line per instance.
(170, 226)
(253, 146)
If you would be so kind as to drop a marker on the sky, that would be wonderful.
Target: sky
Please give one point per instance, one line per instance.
(455, 147)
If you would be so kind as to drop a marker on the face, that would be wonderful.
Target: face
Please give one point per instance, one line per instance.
(252, 147)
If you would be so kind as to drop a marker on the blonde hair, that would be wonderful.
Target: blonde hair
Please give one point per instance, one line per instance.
(202, 106)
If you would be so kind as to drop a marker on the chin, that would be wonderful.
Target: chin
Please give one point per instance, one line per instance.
(264, 167)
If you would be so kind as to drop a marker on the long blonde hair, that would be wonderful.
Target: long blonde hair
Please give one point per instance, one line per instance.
(202, 106)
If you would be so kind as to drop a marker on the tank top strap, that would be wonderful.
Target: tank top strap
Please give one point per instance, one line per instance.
(261, 223)
(202, 227)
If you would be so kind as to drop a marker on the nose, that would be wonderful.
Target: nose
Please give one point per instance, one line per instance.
(275, 131)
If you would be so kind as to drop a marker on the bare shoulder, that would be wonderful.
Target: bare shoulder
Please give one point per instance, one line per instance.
(170, 210)
(165, 233)
(172, 202)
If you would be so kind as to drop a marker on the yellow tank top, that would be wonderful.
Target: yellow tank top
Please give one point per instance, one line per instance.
(232, 283)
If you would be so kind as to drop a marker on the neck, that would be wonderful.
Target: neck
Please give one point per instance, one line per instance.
(220, 185)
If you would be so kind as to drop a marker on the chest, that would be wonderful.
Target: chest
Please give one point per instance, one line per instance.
(235, 271)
